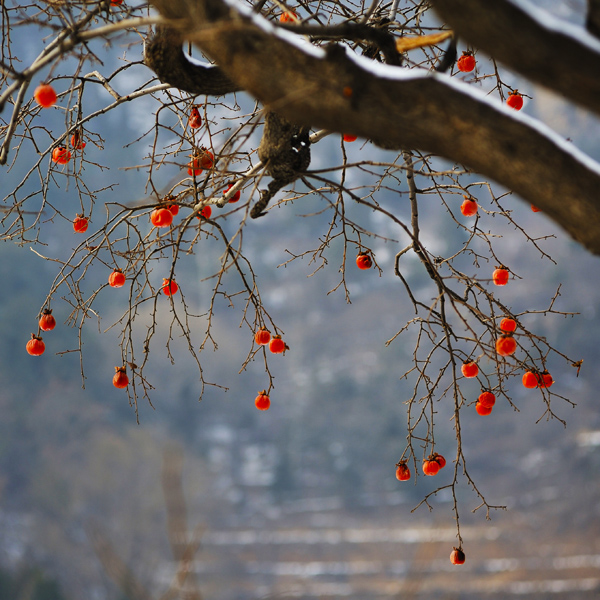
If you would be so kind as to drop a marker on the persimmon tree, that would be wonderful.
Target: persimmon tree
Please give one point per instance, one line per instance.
(383, 72)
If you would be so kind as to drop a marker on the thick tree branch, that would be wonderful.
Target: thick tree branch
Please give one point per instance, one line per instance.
(551, 52)
(164, 55)
(378, 35)
(397, 108)
(593, 17)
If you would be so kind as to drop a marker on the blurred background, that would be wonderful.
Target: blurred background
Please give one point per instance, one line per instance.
(301, 501)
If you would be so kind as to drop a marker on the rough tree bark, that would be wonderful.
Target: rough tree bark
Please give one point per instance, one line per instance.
(285, 151)
(398, 108)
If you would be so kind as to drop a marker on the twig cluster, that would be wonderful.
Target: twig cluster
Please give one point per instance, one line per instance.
(456, 315)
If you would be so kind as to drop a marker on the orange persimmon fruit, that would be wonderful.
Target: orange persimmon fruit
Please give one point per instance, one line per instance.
(500, 276)
(402, 471)
(457, 556)
(470, 369)
(47, 322)
(288, 17)
(45, 95)
(507, 324)
(61, 155)
(195, 119)
(277, 345)
(116, 279)
(161, 217)
(530, 380)
(169, 287)
(466, 63)
(262, 401)
(506, 345)
(431, 466)
(515, 100)
(80, 224)
(262, 337)
(482, 410)
(469, 207)
(364, 261)
(487, 399)
(35, 346)
(120, 379)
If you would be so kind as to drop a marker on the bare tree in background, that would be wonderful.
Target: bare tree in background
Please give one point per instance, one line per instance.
(385, 72)
(184, 546)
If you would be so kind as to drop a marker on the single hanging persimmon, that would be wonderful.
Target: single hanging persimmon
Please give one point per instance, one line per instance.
(45, 95)
(35, 346)
(402, 471)
(277, 345)
(439, 459)
(80, 224)
(47, 321)
(534, 208)
(469, 207)
(469, 369)
(506, 345)
(288, 17)
(487, 399)
(515, 100)
(206, 212)
(195, 119)
(235, 196)
(262, 401)
(466, 63)
(349, 138)
(545, 379)
(76, 141)
(61, 155)
(457, 556)
(207, 159)
(262, 337)
(116, 279)
(507, 324)
(120, 379)
(194, 166)
(530, 380)
(161, 217)
(500, 276)
(364, 261)
(430, 466)
(169, 287)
